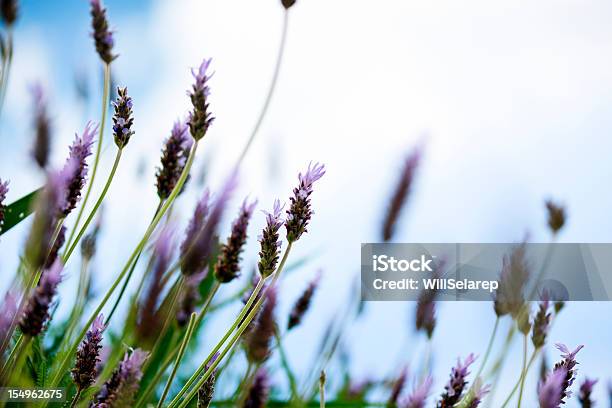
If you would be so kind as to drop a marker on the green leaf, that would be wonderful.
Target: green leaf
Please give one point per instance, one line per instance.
(18, 211)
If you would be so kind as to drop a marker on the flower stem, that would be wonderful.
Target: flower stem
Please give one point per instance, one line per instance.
(75, 400)
(521, 378)
(94, 210)
(322, 389)
(105, 101)
(179, 185)
(264, 109)
(489, 348)
(241, 328)
(523, 371)
(179, 356)
(285, 364)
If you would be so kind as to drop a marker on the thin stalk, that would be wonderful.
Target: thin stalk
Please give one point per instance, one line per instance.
(130, 273)
(14, 352)
(272, 87)
(547, 258)
(6, 66)
(179, 185)
(75, 400)
(179, 356)
(20, 355)
(94, 171)
(523, 371)
(489, 348)
(285, 364)
(241, 328)
(534, 354)
(322, 389)
(245, 383)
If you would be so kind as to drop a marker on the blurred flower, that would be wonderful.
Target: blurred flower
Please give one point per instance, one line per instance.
(207, 390)
(57, 245)
(541, 323)
(456, 384)
(173, 159)
(3, 192)
(303, 303)
(257, 341)
(76, 167)
(102, 35)
(36, 312)
(269, 240)
(88, 243)
(475, 395)
(299, 212)
(550, 390)
(200, 118)
(586, 389)
(426, 305)
(568, 367)
(288, 3)
(196, 224)
(509, 297)
(88, 355)
(8, 310)
(556, 216)
(400, 195)
(190, 295)
(120, 389)
(397, 388)
(419, 395)
(123, 118)
(259, 391)
(42, 126)
(9, 10)
(227, 267)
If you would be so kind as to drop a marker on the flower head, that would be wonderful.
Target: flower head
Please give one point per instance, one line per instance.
(400, 195)
(259, 336)
(200, 118)
(303, 303)
(8, 310)
(287, 4)
(174, 156)
(76, 167)
(550, 390)
(120, 389)
(397, 387)
(269, 241)
(42, 127)
(190, 295)
(418, 397)
(102, 35)
(3, 192)
(509, 298)
(259, 391)
(556, 216)
(9, 11)
(227, 267)
(568, 367)
(299, 212)
(36, 312)
(57, 245)
(456, 385)
(586, 389)
(88, 244)
(196, 224)
(541, 323)
(123, 118)
(207, 390)
(88, 355)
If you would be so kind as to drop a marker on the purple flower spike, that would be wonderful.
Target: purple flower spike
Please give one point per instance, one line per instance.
(36, 312)
(200, 118)
(260, 334)
(568, 367)
(75, 168)
(299, 212)
(84, 372)
(3, 192)
(228, 262)
(418, 397)
(190, 295)
(258, 394)
(269, 241)
(102, 35)
(173, 160)
(42, 126)
(9, 10)
(120, 389)
(123, 118)
(457, 383)
(302, 305)
(197, 222)
(550, 390)
(586, 389)
(8, 310)
(541, 323)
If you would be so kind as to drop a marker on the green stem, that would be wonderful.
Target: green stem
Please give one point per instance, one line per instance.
(322, 389)
(15, 351)
(20, 356)
(179, 185)
(75, 400)
(94, 210)
(520, 380)
(241, 328)
(264, 109)
(6, 66)
(489, 348)
(285, 364)
(523, 370)
(179, 356)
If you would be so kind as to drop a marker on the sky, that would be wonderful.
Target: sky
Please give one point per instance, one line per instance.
(509, 99)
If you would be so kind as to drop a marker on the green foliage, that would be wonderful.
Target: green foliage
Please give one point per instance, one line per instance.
(18, 211)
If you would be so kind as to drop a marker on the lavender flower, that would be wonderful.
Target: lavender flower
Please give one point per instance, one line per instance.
(88, 355)
(120, 389)
(568, 367)
(302, 304)
(3, 192)
(475, 395)
(200, 118)
(299, 212)
(196, 224)
(57, 245)
(456, 384)
(228, 262)
(8, 310)
(122, 119)
(207, 390)
(258, 340)
(541, 323)
(509, 298)
(88, 244)
(174, 156)
(198, 244)
(190, 295)
(400, 195)
(269, 240)
(102, 35)
(76, 167)
(550, 390)
(42, 127)
(586, 389)
(556, 216)
(398, 386)
(287, 4)
(36, 312)
(259, 391)
(426, 306)
(418, 397)
(9, 11)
